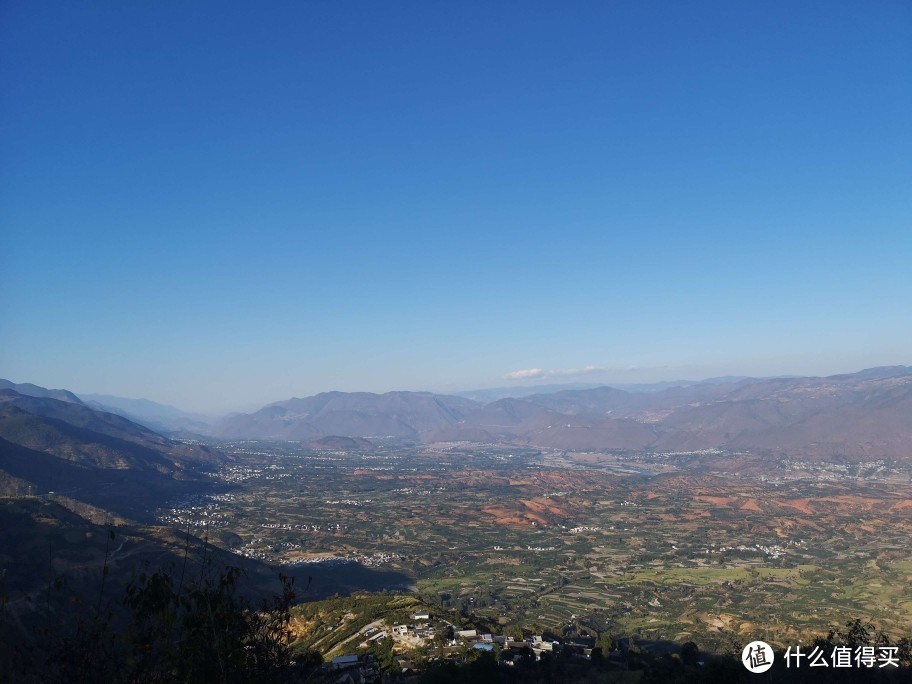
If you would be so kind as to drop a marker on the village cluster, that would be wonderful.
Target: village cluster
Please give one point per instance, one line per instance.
(545, 535)
(196, 511)
(445, 641)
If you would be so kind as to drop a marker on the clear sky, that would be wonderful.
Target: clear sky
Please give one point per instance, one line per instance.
(219, 204)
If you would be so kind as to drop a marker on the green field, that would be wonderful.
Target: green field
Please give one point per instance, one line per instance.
(520, 537)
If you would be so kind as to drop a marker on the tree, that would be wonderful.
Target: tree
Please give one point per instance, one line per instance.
(383, 652)
(203, 631)
(857, 633)
(200, 630)
(690, 653)
(606, 644)
(904, 650)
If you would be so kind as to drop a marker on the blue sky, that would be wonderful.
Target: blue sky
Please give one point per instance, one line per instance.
(219, 204)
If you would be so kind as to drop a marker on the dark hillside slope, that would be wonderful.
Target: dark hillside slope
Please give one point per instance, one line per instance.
(65, 426)
(96, 458)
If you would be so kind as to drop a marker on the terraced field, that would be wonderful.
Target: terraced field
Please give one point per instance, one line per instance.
(715, 547)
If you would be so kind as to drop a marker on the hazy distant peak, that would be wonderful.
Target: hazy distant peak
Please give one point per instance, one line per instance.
(158, 417)
(145, 407)
(877, 373)
(362, 414)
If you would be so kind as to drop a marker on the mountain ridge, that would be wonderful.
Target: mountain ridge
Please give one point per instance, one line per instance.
(859, 415)
(850, 415)
(93, 457)
(30, 390)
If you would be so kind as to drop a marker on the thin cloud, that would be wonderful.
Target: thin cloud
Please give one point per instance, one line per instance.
(569, 372)
(533, 373)
(526, 374)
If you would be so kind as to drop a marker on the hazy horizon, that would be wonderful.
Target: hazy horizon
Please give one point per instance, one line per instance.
(543, 381)
(218, 205)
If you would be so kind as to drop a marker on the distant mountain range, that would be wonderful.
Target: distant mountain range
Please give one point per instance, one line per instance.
(857, 416)
(520, 391)
(865, 415)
